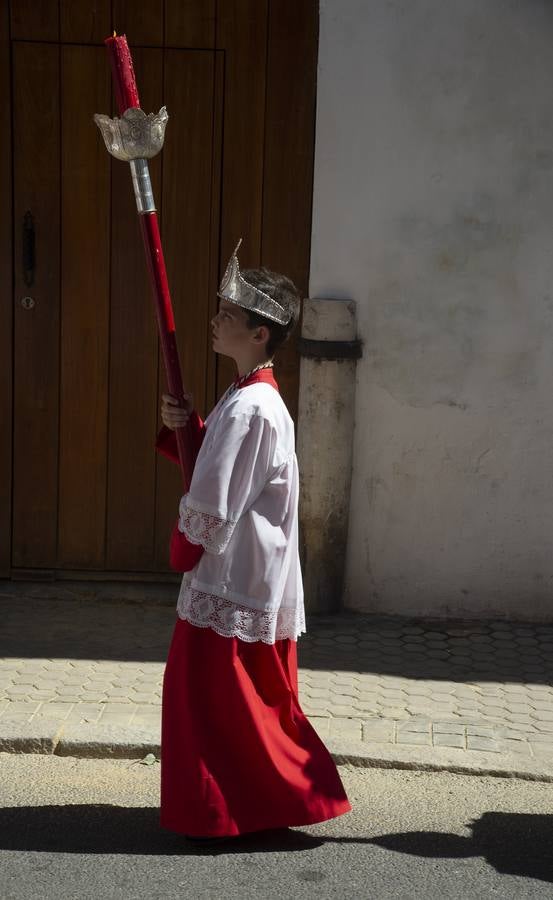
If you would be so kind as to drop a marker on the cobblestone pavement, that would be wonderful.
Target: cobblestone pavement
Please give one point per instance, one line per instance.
(479, 686)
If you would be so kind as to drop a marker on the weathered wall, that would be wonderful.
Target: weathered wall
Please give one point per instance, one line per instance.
(433, 209)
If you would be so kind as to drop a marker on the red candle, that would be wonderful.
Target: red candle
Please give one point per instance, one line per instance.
(126, 94)
(124, 81)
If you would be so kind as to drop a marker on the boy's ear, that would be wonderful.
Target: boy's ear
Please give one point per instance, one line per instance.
(261, 334)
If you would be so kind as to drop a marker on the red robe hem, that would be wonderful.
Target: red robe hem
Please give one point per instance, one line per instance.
(237, 752)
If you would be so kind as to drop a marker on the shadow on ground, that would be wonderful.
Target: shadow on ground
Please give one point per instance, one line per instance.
(410, 648)
(112, 829)
(514, 844)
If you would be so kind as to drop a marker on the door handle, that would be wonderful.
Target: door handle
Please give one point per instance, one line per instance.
(28, 254)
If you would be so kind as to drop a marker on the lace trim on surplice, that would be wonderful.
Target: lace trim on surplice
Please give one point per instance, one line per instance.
(202, 528)
(233, 620)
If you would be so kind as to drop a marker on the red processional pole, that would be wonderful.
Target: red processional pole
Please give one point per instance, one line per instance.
(135, 138)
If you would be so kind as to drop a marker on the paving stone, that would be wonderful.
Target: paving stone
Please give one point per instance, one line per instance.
(347, 696)
(368, 709)
(320, 725)
(345, 728)
(338, 709)
(519, 719)
(474, 742)
(119, 692)
(448, 728)
(419, 691)
(85, 712)
(442, 739)
(343, 680)
(540, 738)
(25, 678)
(22, 706)
(468, 692)
(463, 710)
(540, 750)
(48, 684)
(443, 698)
(379, 731)
(90, 697)
(519, 708)
(494, 711)
(394, 712)
(503, 731)
(320, 679)
(481, 730)
(542, 715)
(19, 690)
(414, 738)
(546, 705)
(321, 693)
(35, 695)
(522, 748)
(414, 725)
(397, 697)
(368, 696)
(54, 711)
(122, 717)
(521, 727)
(124, 699)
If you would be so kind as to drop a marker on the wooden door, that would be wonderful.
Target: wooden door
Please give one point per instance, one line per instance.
(88, 491)
(82, 493)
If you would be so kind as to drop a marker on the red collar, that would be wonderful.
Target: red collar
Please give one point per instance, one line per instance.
(265, 376)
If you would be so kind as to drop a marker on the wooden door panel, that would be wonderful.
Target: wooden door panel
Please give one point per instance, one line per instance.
(36, 329)
(85, 23)
(6, 299)
(34, 20)
(190, 23)
(142, 23)
(133, 380)
(85, 197)
(242, 33)
(288, 160)
(187, 225)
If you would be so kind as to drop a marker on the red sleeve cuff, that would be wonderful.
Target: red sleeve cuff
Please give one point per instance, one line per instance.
(183, 555)
(166, 442)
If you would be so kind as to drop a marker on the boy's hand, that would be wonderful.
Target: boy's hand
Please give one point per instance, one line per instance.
(174, 415)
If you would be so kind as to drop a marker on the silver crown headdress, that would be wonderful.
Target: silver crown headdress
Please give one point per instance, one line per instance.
(236, 289)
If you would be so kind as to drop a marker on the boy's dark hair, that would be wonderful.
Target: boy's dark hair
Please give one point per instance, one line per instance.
(285, 292)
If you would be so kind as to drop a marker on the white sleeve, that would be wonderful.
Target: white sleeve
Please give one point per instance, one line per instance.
(228, 477)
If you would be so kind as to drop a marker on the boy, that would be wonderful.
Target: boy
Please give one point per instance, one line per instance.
(238, 754)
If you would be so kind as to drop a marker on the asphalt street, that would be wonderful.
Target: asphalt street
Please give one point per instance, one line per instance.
(75, 828)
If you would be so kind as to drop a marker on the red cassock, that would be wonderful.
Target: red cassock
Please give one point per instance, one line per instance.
(237, 752)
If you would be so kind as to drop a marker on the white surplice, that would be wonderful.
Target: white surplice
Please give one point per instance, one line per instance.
(242, 507)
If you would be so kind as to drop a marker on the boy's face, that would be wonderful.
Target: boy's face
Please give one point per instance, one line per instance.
(231, 334)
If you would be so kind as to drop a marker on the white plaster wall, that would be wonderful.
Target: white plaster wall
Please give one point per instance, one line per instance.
(433, 210)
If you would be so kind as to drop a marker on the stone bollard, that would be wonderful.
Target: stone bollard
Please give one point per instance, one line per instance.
(329, 350)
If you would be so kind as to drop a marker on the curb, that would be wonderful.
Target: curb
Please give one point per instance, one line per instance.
(49, 737)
